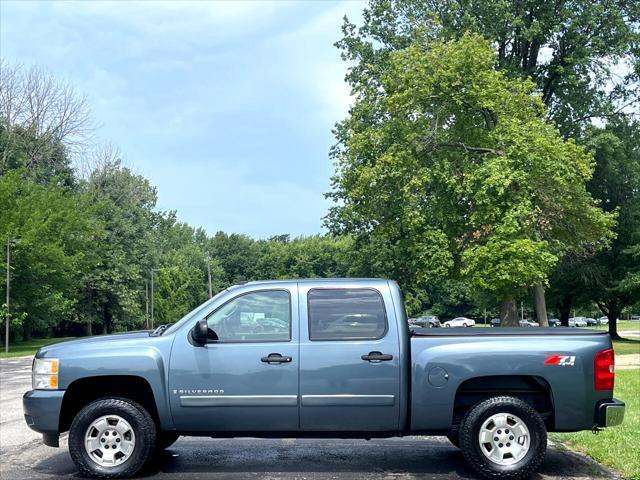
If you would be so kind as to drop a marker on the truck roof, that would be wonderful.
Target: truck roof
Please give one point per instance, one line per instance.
(314, 280)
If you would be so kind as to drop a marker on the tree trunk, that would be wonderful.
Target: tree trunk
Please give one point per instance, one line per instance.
(88, 303)
(540, 305)
(107, 318)
(509, 313)
(26, 330)
(564, 308)
(613, 312)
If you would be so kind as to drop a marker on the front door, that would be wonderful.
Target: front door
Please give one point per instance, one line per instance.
(247, 380)
(349, 359)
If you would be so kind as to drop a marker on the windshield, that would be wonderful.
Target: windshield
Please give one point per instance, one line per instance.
(196, 311)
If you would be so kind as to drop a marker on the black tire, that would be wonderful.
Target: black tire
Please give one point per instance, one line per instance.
(141, 423)
(470, 446)
(454, 438)
(165, 440)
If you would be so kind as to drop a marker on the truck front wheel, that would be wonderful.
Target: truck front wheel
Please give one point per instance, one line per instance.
(112, 438)
(503, 437)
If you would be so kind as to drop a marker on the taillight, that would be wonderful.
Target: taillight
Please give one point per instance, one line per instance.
(605, 369)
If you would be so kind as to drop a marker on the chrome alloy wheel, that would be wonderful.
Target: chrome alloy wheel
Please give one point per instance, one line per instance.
(109, 441)
(504, 439)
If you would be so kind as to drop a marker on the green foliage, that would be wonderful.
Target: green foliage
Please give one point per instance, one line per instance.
(582, 55)
(448, 178)
(123, 204)
(450, 168)
(54, 231)
(615, 280)
(86, 247)
(41, 159)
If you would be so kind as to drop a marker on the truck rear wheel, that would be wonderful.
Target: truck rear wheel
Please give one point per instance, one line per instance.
(111, 438)
(503, 437)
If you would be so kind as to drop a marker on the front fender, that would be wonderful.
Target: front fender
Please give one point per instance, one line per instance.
(108, 359)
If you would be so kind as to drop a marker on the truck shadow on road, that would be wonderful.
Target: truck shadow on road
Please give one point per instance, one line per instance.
(244, 458)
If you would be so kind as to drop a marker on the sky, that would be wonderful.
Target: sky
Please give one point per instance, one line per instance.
(226, 107)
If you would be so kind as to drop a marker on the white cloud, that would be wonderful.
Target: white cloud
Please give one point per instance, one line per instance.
(185, 88)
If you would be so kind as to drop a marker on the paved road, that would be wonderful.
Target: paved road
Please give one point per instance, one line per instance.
(22, 456)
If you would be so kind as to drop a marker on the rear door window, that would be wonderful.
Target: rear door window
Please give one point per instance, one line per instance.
(346, 314)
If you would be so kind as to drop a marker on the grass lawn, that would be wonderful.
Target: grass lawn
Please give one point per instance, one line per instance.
(626, 345)
(616, 447)
(623, 325)
(30, 347)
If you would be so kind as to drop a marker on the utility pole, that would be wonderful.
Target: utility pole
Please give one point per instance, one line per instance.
(6, 338)
(146, 296)
(152, 271)
(8, 316)
(209, 275)
(521, 310)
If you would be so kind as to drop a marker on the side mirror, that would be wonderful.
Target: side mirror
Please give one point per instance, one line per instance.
(199, 333)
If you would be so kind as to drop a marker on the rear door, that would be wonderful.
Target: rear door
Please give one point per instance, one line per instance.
(349, 357)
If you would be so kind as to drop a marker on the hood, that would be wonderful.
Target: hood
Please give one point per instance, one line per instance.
(54, 349)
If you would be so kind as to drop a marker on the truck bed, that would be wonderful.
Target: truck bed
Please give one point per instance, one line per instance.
(448, 361)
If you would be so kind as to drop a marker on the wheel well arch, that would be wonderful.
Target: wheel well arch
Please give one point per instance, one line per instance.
(83, 391)
(531, 389)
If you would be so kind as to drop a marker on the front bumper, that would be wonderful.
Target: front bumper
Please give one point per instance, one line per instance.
(42, 413)
(611, 413)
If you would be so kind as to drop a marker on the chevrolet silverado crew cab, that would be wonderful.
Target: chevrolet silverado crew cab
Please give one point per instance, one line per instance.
(320, 358)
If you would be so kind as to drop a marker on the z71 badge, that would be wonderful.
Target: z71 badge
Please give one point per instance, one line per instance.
(562, 360)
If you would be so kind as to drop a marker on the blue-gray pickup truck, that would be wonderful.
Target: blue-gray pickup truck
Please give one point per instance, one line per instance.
(320, 358)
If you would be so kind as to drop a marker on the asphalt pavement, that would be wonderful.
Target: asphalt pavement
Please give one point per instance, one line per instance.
(24, 457)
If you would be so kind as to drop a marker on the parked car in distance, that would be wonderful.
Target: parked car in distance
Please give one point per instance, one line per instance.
(460, 322)
(554, 322)
(603, 320)
(635, 318)
(427, 321)
(577, 322)
(528, 323)
(591, 321)
(495, 322)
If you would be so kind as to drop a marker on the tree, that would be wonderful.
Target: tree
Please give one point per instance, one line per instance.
(452, 167)
(124, 203)
(50, 109)
(55, 229)
(615, 281)
(181, 263)
(44, 164)
(582, 55)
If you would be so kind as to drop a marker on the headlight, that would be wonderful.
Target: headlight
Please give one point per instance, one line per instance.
(45, 373)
